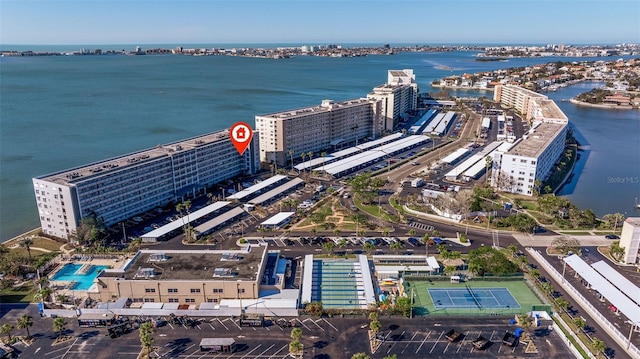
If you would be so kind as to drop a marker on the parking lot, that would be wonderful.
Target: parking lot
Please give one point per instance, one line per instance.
(325, 338)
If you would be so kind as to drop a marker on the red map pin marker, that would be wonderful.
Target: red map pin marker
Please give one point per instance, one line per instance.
(241, 134)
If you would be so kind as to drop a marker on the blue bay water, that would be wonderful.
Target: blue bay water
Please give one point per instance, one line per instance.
(65, 111)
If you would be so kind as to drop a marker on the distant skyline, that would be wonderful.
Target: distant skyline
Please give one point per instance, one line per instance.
(142, 22)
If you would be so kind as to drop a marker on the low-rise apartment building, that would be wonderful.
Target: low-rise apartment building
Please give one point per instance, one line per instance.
(119, 188)
(192, 276)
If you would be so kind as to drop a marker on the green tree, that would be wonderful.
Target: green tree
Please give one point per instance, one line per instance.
(59, 325)
(91, 231)
(427, 241)
(395, 247)
(489, 260)
(359, 356)
(598, 345)
(43, 293)
(412, 232)
(6, 329)
(314, 308)
(295, 348)
(403, 306)
(369, 247)
(579, 322)
(617, 252)
(328, 246)
(26, 243)
(296, 334)
(375, 326)
(513, 249)
(291, 155)
(24, 322)
(563, 304)
(146, 338)
(184, 209)
(373, 316)
(525, 320)
(392, 356)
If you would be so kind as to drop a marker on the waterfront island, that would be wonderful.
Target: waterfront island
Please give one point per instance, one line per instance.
(621, 78)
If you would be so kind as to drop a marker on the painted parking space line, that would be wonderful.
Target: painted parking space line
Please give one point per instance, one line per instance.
(251, 351)
(279, 350)
(436, 343)
(221, 323)
(315, 322)
(423, 341)
(266, 350)
(394, 343)
(304, 325)
(409, 342)
(466, 335)
(211, 325)
(236, 324)
(331, 325)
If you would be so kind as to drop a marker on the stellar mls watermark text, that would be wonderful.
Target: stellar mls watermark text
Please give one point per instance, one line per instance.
(620, 180)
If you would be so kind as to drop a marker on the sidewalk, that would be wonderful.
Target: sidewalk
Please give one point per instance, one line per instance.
(528, 240)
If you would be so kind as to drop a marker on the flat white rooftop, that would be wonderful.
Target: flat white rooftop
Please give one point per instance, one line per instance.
(173, 225)
(257, 187)
(625, 305)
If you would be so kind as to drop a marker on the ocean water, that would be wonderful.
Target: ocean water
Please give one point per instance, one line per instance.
(65, 111)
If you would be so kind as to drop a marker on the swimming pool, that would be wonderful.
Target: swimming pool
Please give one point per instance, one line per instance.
(69, 273)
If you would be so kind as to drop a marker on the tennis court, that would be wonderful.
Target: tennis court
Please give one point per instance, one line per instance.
(499, 297)
(472, 297)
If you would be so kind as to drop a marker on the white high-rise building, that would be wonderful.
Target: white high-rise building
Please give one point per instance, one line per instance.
(533, 156)
(398, 96)
(119, 188)
(630, 239)
(317, 128)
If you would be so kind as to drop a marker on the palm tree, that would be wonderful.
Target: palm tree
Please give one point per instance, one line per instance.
(303, 155)
(59, 325)
(323, 155)
(310, 155)
(146, 337)
(24, 322)
(6, 329)
(296, 334)
(579, 322)
(329, 246)
(412, 232)
(488, 164)
(427, 242)
(395, 247)
(369, 247)
(295, 348)
(183, 208)
(44, 293)
(26, 243)
(291, 155)
(375, 326)
(598, 345)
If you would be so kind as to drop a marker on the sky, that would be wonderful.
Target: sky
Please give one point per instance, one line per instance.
(318, 21)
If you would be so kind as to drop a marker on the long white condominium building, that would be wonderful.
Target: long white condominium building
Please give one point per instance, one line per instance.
(398, 96)
(119, 188)
(533, 156)
(316, 128)
(630, 240)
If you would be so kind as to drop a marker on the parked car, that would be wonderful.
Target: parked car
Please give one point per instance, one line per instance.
(437, 240)
(611, 236)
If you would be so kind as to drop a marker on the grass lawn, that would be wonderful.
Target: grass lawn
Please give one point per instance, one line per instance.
(22, 294)
(423, 304)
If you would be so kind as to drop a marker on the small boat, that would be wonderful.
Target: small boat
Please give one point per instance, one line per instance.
(637, 204)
